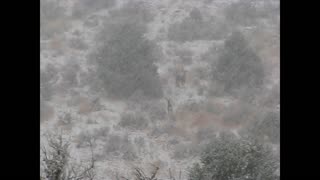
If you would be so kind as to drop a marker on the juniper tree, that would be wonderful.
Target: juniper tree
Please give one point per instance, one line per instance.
(126, 59)
(238, 66)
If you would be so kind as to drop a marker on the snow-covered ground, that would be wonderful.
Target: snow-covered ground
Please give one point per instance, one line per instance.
(167, 12)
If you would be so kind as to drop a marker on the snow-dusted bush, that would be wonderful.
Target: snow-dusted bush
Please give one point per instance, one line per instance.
(101, 133)
(65, 120)
(140, 174)
(69, 74)
(195, 27)
(267, 129)
(159, 130)
(114, 144)
(134, 121)
(58, 165)
(84, 7)
(238, 66)
(139, 142)
(227, 157)
(78, 44)
(125, 60)
(173, 141)
(241, 13)
(129, 154)
(204, 135)
(156, 110)
(120, 147)
(247, 13)
(183, 151)
(192, 106)
(50, 10)
(84, 139)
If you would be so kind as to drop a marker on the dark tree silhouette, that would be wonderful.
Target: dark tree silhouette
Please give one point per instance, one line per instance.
(126, 60)
(238, 66)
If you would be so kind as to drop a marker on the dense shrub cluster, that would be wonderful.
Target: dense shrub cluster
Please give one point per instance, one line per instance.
(69, 74)
(238, 66)
(120, 147)
(159, 130)
(126, 60)
(156, 110)
(183, 151)
(140, 142)
(134, 121)
(50, 10)
(85, 138)
(268, 128)
(227, 157)
(65, 121)
(78, 44)
(195, 27)
(204, 135)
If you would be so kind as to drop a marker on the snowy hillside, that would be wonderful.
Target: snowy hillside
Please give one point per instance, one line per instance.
(189, 36)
